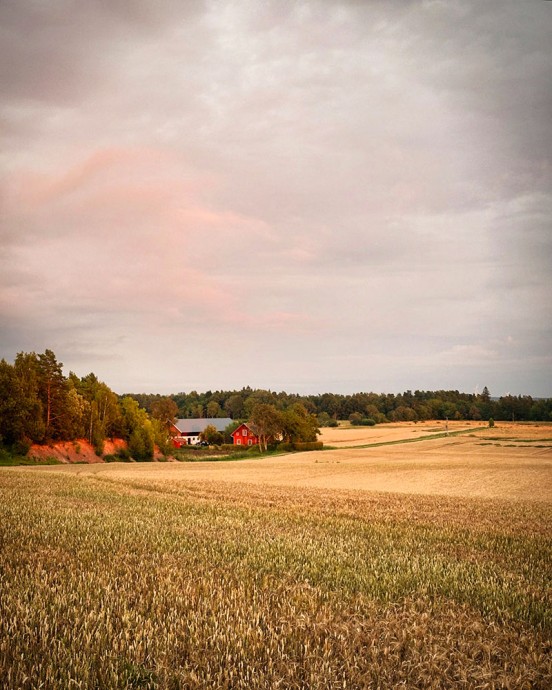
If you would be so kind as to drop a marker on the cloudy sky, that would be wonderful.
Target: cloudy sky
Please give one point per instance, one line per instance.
(317, 195)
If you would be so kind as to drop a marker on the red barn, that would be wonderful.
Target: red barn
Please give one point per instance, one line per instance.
(245, 435)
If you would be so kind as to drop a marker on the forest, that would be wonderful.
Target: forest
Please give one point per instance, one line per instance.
(361, 407)
(39, 404)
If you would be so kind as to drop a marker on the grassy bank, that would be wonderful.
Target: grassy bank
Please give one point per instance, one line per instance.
(207, 585)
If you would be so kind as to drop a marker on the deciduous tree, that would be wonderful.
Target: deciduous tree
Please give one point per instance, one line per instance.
(213, 409)
(164, 409)
(234, 406)
(211, 435)
(268, 422)
(298, 425)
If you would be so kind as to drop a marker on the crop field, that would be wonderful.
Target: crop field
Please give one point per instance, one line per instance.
(508, 461)
(333, 569)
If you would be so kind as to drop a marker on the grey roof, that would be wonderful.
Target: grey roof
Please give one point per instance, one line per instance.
(196, 426)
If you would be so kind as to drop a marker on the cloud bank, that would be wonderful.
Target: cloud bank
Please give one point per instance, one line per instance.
(311, 196)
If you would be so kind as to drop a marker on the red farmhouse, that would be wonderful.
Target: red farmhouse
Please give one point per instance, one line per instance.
(245, 435)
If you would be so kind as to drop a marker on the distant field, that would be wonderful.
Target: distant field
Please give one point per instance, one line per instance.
(417, 565)
(509, 461)
(347, 435)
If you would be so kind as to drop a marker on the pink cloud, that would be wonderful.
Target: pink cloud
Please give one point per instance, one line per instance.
(140, 167)
(127, 230)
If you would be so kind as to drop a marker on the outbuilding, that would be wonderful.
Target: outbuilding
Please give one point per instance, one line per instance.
(186, 432)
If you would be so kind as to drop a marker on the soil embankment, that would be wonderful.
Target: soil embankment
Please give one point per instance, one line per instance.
(79, 451)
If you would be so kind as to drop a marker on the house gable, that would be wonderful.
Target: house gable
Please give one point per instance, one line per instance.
(245, 435)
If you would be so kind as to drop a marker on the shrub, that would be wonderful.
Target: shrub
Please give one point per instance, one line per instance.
(301, 446)
(22, 446)
(324, 419)
(363, 422)
(491, 422)
(231, 448)
(287, 447)
(311, 445)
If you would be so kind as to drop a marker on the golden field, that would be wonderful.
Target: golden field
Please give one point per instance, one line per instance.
(508, 461)
(413, 565)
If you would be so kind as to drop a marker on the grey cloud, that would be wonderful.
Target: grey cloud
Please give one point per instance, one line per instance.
(374, 169)
(56, 51)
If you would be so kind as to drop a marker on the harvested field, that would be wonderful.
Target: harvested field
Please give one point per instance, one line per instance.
(284, 572)
(347, 436)
(476, 463)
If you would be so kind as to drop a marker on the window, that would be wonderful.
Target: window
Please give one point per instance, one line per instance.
(249, 442)
(244, 432)
(238, 443)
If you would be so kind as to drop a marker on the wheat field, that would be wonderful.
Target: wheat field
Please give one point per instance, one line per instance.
(196, 576)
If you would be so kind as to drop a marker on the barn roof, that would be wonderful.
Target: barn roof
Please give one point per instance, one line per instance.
(196, 426)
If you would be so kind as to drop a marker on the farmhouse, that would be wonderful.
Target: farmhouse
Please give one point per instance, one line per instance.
(186, 431)
(245, 435)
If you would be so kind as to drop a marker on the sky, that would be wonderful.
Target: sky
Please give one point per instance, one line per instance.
(310, 196)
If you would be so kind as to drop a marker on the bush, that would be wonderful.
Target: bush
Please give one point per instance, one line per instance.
(310, 445)
(98, 445)
(231, 448)
(363, 422)
(22, 446)
(491, 422)
(303, 446)
(122, 455)
(287, 447)
(324, 419)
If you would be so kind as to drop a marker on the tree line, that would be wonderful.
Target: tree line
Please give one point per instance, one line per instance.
(39, 404)
(358, 407)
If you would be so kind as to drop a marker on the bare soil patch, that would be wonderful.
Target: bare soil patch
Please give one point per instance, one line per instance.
(79, 451)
